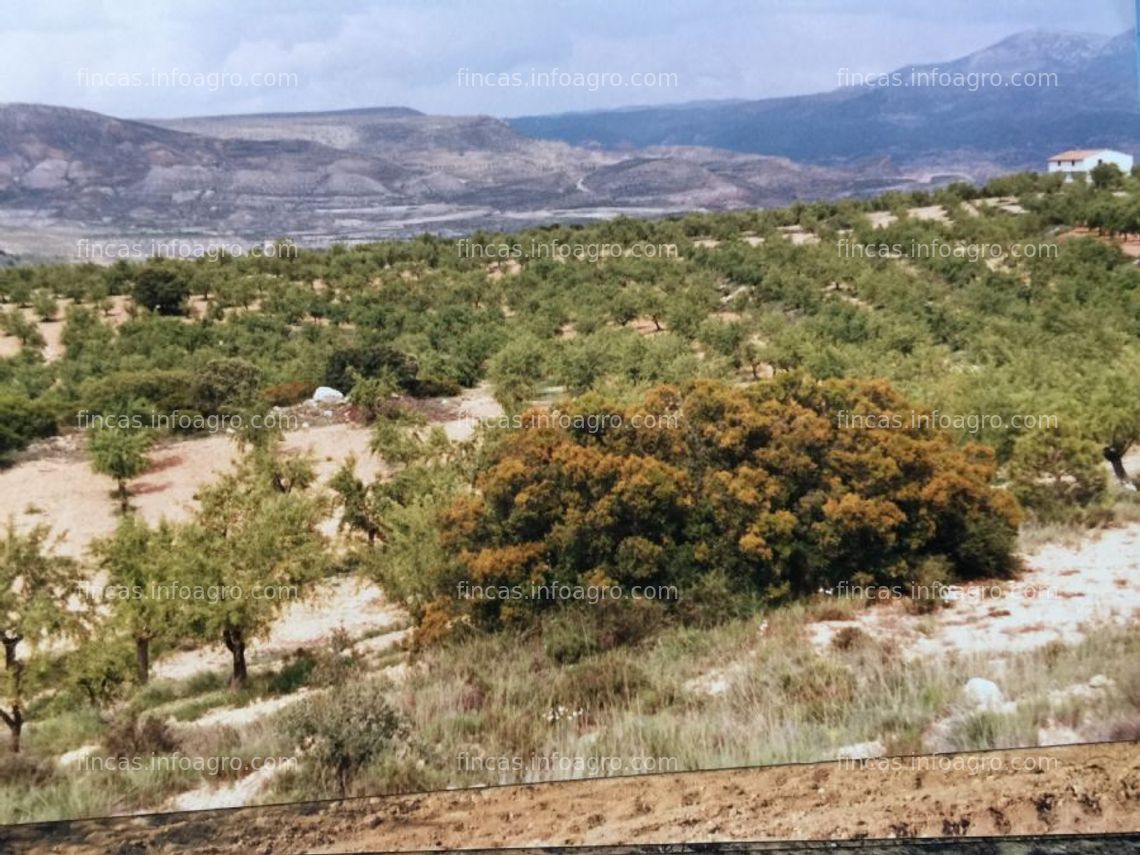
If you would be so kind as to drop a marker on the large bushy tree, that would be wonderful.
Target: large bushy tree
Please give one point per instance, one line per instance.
(777, 488)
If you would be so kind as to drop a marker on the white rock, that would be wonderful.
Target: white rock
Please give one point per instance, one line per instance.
(983, 694)
(327, 395)
(1057, 735)
(1100, 681)
(713, 684)
(862, 751)
(74, 758)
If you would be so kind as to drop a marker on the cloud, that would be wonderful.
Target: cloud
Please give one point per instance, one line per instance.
(282, 55)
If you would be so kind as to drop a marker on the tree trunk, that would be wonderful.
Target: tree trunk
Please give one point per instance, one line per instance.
(10, 642)
(235, 643)
(142, 659)
(15, 719)
(15, 723)
(1116, 457)
(124, 497)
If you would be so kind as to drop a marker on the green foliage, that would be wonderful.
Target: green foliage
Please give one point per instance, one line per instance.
(137, 560)
(101, 671)
(1106, 176)
(158, 392)
(162, 288)
(120, 453)
(343, 731)
(372, 396)
(347, 364)
(45, 305)
(768, 489)
(516, 371)
(21, 421)
(16, 323)
(34, 582)
(226, 386)
(1056, 476)
(254, 535)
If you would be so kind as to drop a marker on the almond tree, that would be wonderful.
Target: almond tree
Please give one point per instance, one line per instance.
(254, 536)
(36, 586)
(121, 454)
(137, 558)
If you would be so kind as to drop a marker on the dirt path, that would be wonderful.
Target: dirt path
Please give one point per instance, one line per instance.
(1086, 789)
(350, 605)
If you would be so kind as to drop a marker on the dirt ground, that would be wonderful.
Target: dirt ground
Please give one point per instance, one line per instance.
(1062, 591)
(1080, 789)
(53, 483)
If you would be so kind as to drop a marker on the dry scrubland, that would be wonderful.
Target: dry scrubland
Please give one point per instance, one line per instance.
(471, 697)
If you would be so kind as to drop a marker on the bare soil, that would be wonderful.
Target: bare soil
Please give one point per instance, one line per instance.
(1080, 789)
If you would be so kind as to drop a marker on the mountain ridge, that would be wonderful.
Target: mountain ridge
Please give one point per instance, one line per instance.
(361, 173)
(1094, 102)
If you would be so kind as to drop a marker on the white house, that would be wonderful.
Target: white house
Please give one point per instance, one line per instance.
(1084, 159)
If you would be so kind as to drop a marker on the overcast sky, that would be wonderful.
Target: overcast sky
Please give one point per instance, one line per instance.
(158, 58)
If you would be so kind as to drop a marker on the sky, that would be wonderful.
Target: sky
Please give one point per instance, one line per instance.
(166, 58)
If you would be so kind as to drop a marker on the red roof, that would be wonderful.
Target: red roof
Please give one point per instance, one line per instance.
(1076, 154)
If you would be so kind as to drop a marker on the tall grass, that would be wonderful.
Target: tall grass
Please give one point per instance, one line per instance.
(782, 701)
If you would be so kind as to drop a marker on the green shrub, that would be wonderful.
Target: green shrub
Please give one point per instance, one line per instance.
(347, 363)
(23, 420)
(569, 638)
(225, 385)
(162, 391)
(602, 683)
(132, 735)
(1057, 477)
(162, 288)
(342, 731)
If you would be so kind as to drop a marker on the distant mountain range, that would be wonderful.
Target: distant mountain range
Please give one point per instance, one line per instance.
(68, 174)
(1085, 96)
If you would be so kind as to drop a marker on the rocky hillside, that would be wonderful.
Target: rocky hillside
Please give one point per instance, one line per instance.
(324, 177)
